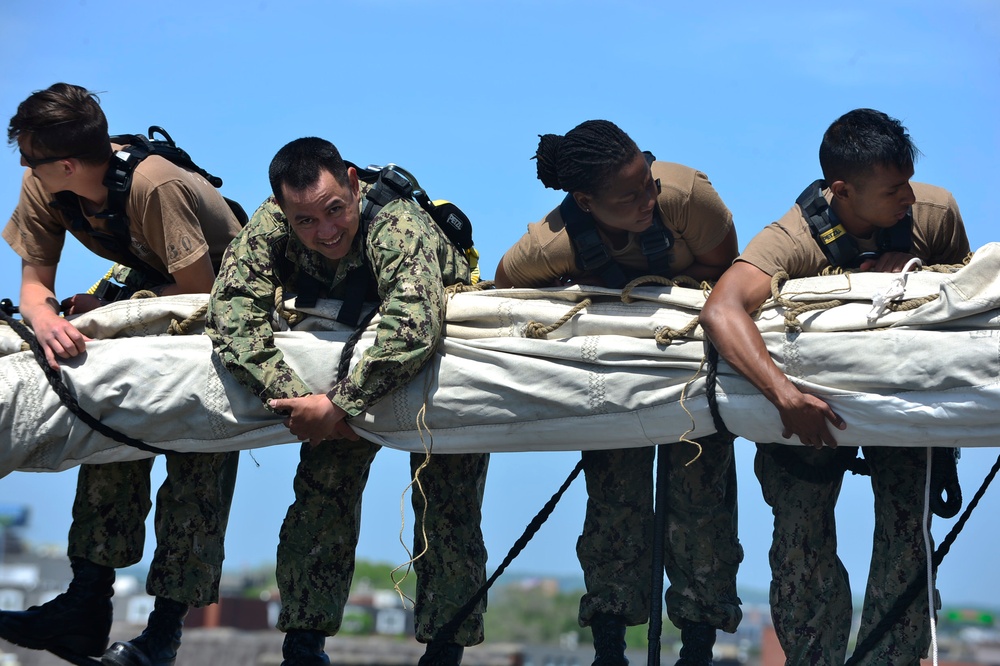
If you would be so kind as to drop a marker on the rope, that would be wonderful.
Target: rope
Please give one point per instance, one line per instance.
(290, 316)
(917, 584)
(448, 631)
(665, 335)
(925, 528)
(55, 380)
(421, 423)
(677, 281)
(539, 331)
(184, 327)
(656, 582)
(794, 309)
(461, 288)
(711, 379)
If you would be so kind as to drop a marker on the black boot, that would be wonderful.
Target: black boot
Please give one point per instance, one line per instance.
(304, 648)
(77, 622)
(609, 640)
(697, 639)
(157, 644)
(439, 653)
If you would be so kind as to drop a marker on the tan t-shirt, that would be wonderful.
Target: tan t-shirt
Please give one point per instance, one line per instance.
(175, 217)
(688, 205)
(788, 245)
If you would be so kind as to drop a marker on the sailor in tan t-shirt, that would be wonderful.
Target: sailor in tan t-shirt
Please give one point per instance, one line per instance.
(176, 219)
(621, 201)
(178, 227)
(867, 160)
(687, 204)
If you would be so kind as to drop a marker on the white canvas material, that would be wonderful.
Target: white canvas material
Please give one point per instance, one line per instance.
(926, 376)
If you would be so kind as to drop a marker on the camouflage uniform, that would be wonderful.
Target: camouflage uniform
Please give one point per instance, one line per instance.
(110, 509)
(702, 551)
(412, 262)
(810, 590)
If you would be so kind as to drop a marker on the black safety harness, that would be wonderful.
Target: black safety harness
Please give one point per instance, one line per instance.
(839, 246)
(592, 255)
(115, 237)
(388, 183)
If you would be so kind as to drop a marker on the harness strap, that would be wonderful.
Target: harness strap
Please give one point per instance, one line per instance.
(592, 256)
(840, 248)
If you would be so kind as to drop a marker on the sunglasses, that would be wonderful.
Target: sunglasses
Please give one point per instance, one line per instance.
(35, 162)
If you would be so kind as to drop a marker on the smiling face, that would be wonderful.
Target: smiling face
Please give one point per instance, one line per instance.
(877, 200)
(628, 200)
(324, 215)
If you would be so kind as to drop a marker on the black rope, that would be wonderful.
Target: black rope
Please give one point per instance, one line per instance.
(919, 584)
(656, 582)
(449, 630)
(710, 385)
(345, 354)
(946, 492)
(55, 380)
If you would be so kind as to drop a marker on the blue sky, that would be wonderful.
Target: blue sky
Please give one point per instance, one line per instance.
(458, 92)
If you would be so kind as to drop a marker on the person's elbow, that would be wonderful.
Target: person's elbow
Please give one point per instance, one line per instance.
(500, 279)
(712, 315)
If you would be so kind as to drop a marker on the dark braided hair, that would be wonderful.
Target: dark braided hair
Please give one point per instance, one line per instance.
(586, 158)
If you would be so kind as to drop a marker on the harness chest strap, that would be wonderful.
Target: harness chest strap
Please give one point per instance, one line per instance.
(840, 248)
(592, 256)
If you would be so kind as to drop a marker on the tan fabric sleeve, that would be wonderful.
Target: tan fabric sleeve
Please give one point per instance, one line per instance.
(693, 207)
(785, 245)
(542, 255)
(938, 230)
(166, 214)
(35, 230)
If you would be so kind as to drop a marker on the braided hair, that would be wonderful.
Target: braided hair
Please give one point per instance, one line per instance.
(586, 158)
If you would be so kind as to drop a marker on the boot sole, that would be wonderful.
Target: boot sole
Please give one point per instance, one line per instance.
(74, 658)
(71, 647)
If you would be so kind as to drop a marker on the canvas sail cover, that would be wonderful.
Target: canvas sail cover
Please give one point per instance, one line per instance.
(925, 374)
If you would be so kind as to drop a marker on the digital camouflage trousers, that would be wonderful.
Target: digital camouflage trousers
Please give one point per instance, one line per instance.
(701, 548)
(320, 533)
(192, 511)
(810, 588)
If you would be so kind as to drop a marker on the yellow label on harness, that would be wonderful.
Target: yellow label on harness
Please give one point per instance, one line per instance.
(831, 235)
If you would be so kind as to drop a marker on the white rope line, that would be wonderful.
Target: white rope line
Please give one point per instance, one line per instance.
(893, 292)
(928, 550)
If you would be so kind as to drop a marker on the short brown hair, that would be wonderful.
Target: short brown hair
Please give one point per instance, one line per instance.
(63, 119)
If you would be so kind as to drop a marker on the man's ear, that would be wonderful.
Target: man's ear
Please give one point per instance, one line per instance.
(583, 201)
(841, 190)
(352, 178)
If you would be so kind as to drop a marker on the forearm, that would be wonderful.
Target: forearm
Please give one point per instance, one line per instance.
(406, 338)
(239, 325)
(740, 343)
(37, 302)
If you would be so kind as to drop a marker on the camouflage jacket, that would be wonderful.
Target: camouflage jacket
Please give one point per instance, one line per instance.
(411, 262)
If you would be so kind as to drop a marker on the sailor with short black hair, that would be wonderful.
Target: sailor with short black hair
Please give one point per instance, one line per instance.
(867, 160)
